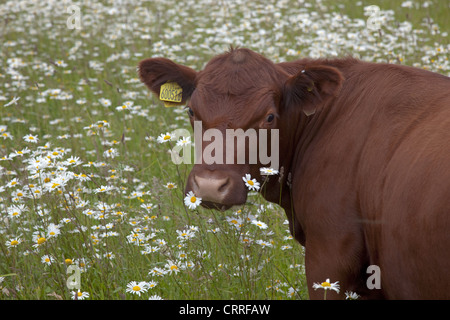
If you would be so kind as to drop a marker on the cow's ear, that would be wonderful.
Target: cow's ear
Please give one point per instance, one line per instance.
(311, 87)
(154, 72)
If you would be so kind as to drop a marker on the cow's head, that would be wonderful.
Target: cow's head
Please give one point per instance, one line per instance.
(241, 89)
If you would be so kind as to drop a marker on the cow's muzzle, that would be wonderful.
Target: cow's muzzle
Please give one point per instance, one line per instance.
(217, 189)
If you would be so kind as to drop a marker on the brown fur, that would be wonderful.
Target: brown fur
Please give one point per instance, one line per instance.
(366, 176)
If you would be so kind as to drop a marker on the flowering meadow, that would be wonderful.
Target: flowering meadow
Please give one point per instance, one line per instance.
(86, 177)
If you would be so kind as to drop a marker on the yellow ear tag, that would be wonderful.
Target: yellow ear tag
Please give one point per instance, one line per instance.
(171, 94)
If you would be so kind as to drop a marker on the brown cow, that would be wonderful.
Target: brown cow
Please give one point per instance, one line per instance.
(364, 162)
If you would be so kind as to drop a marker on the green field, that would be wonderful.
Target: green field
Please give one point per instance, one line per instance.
(83, 179)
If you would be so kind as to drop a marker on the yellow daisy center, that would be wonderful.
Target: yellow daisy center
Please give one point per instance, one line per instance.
(136, 288)
(166, 137)
(41, 240)
(250, 182)
(325, 284)
(193, 199)
(14, 243)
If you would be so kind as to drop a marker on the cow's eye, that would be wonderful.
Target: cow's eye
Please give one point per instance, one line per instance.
(270, 118)
(190, 112)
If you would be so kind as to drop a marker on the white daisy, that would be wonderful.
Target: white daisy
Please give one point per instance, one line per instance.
(250, 183)
(185, 141)
(31, 138)
(164, 137)
(79, 295)
(137, 288)
(268, 171)
(191, 201)
(327, 285)
(259, 224)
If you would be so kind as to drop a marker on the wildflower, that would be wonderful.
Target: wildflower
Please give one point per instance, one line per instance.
(31, 138)
(79, 295)
(161, 242)
(13, 101)
(155, 297)
(39, 241)
(149, 249)
(103, 189)
(60, 63)
(260, 224)
(157, 272)
(12, 243)
(172, 267)
(185, 234)
(237, 222)
(12, 183)
(349, 295)
(105, 102)
(19, 153)
(263, 243)
(48, 260)
(111, 153)
(151, 284)
(185, 141)
(250, 183)
(137, 288)
(268, 171)
(18, 194)
(291, 292)
(68, 261)
(191, 201)
(327, 285)
(74, 161)
(171, 185)
(14, 211)
(53, 230)
(5, 135)
(164, 137)
(125, 105)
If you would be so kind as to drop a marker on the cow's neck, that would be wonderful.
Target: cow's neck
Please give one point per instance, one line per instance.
(277, 188)
(295, 139)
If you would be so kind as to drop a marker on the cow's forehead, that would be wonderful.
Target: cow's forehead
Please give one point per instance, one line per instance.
(238, 72)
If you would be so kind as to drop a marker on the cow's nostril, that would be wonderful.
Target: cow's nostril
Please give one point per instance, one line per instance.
(224, 185)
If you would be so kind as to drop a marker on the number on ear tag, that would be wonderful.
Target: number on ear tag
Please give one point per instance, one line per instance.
(171, 94)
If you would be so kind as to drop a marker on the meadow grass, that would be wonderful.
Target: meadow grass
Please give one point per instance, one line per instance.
(90, 187)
